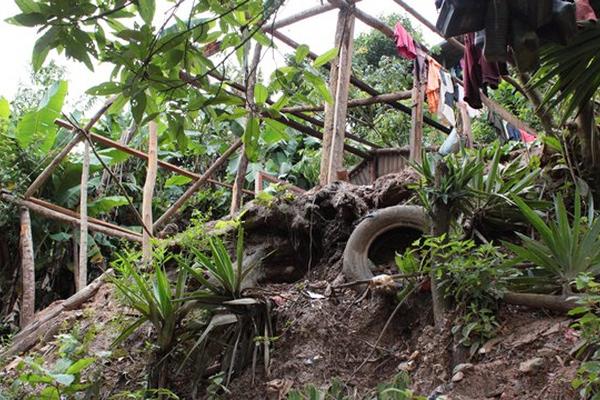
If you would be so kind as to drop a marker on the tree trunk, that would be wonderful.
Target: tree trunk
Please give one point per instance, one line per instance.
(440, 226)
(27, 270)
(149, 192)
(250, 78)
(81, 265)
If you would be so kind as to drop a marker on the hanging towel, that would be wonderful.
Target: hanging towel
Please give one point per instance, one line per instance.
(433, 85)
(584, 11)
(404, 43)
(446, 108)
(526, 137)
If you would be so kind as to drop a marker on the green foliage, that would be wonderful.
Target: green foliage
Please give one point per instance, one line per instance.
(396, 389)
(65, 379)
(472, 277)
(588, 323)
(153, 296)
(38, 125)
(572, 72)
(564, 249)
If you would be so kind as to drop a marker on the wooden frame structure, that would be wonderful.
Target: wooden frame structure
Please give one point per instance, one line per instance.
(331, 130)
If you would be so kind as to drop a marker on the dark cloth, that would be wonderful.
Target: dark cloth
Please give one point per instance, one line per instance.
(513, 133)
(478, 73)
(496, 31)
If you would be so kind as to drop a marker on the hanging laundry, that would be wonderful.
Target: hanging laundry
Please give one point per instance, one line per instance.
(421, 63)
(584, 11)
(433, 85)
(404, 43)
(513, 133)
(497, 122)
(446, 108)
(451, 144)
(527, 137)
(478, 74)
(496, 31)
(460, 95)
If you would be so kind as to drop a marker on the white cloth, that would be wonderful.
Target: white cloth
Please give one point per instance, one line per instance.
(446, 107)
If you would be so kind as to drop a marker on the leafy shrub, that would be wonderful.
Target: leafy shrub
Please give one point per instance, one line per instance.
(564, 249)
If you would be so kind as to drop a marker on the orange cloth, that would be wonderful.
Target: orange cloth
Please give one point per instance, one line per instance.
(433, 85)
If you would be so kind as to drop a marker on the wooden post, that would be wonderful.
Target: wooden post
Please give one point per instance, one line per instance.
(335, 113)
(336, 159)
(81, 266)
(465, 124)
(149, 191)
(27, 270)
(240, 178)
(416, 127)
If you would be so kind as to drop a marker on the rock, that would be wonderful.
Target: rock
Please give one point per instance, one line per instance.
(531, 366)
(462, 367)
(407, 366)
(457, 377)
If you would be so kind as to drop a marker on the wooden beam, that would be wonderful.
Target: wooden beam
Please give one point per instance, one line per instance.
(143, 156)
(367, 101)
(148, 194)
(284, 120)
(196, 185)
(41, 179)
(75, 214)
(241, 88)
(292, 19)
(27, 310)
(72, 220)
(81, 267)
(364, 86)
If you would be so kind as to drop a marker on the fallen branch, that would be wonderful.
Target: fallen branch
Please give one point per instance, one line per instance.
(545, 301)
(47, 322)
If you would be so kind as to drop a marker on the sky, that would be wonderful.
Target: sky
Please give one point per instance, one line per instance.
(16, 43)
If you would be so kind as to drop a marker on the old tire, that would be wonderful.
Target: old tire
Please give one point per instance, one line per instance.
(357, 265)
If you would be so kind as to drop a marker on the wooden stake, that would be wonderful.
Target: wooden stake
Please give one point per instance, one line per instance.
(81, 269)
(336, 159)
(328, 127)
(27, 270)
(196, 185)
(148, 195)
(240, 178)
(39, 181)
(416, 127)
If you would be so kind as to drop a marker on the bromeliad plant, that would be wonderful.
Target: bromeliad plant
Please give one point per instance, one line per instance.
(564, 249)
(156, 301)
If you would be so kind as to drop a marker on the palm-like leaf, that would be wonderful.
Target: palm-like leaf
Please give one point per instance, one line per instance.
(563, 249)
(572, 72)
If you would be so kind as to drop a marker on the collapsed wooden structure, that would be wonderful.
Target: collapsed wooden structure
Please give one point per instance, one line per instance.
(331, 131)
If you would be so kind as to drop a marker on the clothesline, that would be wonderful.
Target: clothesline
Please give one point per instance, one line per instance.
(440, 90)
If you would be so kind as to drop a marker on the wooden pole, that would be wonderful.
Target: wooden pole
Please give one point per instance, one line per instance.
(81, 268)
(27, 270)
(336, 158)
(241, 88)
(148, 194)
(292, 19)
(196, 185)
(416, 127)
(364, 86)
(39, 181)
(382, 98)
(250, 79)
(328, 127)
(106, 228)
